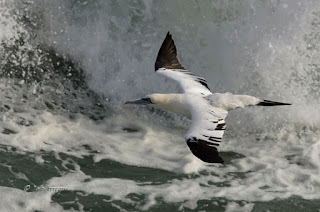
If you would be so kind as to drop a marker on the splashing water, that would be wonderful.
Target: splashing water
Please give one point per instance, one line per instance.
(68, 66)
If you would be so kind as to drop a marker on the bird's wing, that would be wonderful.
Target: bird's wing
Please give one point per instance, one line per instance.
(206, 131)
(168, 65)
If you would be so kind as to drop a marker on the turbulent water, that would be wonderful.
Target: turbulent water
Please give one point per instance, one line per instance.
(69, 144)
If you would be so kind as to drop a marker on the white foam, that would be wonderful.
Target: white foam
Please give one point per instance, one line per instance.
(277, 164)
(160, 148)
(252, 54)
(233, 206)
(19, 200)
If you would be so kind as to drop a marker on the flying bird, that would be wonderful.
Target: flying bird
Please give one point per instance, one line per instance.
(207, 110)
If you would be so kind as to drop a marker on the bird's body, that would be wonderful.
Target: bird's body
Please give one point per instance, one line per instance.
(180, 103)
(175, 103)
(208, 110)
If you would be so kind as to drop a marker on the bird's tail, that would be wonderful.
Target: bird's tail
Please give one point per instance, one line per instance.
(271, 103)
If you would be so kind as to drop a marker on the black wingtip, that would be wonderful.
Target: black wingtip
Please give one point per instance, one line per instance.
(272, 103)
(167, 55)
(208, 154)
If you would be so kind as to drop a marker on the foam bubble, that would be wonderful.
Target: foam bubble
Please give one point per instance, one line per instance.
(19, 200)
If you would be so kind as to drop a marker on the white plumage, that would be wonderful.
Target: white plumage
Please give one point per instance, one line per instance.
(207, 110)
(187, 81)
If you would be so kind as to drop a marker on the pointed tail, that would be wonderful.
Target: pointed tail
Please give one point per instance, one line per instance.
(271, 103)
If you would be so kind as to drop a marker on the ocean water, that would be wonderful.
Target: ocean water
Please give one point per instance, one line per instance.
(68, 143)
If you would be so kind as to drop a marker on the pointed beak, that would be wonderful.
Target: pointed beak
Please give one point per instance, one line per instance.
(143, 101)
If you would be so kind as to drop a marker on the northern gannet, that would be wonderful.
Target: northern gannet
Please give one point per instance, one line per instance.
(207, 110)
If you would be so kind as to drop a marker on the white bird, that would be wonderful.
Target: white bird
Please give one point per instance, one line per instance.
(208, 110)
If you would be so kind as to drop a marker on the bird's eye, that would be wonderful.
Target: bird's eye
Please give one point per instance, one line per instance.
(147, 100)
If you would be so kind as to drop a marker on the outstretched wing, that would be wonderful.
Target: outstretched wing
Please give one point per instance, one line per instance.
(207, 129)
(168, 65)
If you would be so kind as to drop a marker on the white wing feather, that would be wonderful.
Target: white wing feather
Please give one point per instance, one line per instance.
(206, 131)
(187, 81)
(167, 64)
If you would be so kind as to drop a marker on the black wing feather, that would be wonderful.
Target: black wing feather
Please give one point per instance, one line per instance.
(204, 151)
(167, 55)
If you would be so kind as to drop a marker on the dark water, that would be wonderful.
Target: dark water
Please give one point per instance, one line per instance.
(67, 143)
